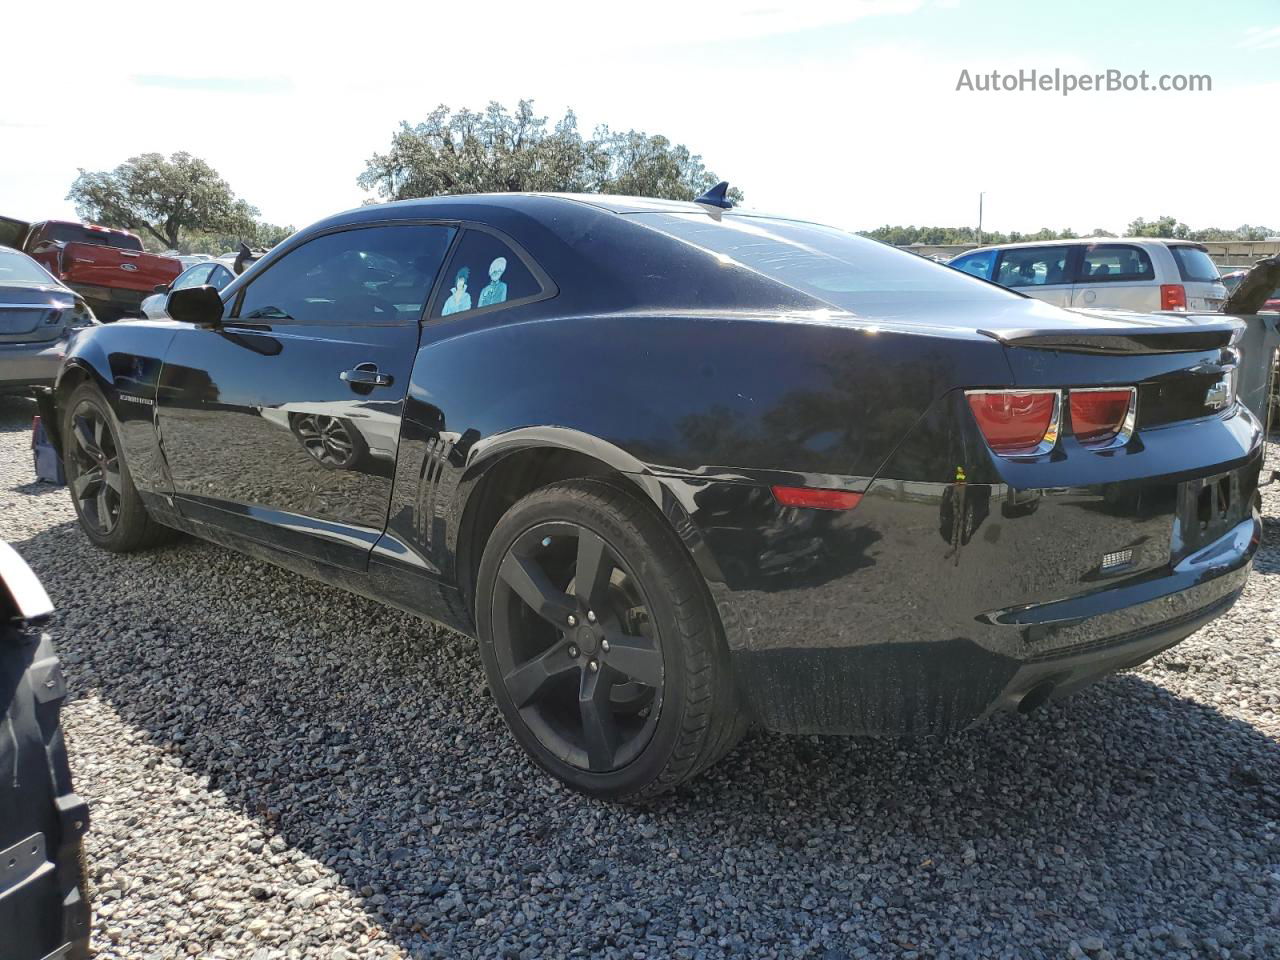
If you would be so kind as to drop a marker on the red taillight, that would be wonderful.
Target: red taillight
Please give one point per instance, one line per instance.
(1099, 416)
(1173, 296)
(1016, 422)
(816, 499)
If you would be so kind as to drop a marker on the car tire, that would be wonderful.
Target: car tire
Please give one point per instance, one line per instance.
(626, 721)
(108, 506)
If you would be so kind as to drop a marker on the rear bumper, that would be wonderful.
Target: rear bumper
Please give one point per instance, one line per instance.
(27, 365)
(928, 679)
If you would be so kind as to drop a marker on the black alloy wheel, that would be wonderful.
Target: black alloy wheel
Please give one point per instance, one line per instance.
(94, 469)
(602, 646)
(577, 648)
(108, 505)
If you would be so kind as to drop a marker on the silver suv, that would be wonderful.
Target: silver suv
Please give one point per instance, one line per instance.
(1128, 273)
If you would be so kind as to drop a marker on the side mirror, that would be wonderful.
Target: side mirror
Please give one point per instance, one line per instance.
(200, 306)
(160, 288)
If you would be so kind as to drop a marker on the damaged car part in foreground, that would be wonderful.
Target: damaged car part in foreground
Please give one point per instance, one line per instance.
(680, 468)
(44, 911)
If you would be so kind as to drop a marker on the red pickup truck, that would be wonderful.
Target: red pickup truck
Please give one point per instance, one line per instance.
(107, 267)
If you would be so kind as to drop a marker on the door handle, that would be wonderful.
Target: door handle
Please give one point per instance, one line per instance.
(366, 375)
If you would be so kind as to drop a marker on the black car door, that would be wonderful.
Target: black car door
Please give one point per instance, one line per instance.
(283, 425)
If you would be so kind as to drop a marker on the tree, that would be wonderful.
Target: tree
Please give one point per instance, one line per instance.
(498, 151)
(259, 236)
(166, 199)
(1167, 227)
(639, 165)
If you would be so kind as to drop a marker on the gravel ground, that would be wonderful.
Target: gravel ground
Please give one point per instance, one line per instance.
(279, 769)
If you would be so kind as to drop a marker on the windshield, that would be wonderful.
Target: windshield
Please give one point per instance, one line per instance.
(19, 268)
(1194, 264)
(847, 271)
(79, 233)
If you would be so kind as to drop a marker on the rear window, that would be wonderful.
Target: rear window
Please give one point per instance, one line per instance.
(1195, 265)
(79, 233)
(19, 268)
(847, 271)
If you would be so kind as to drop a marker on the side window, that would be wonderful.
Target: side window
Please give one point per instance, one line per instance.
(1033, 267)
(1107, 262)
(484, 272)
(220, 277)
(978, 264)
(365, 275)
(194, 277)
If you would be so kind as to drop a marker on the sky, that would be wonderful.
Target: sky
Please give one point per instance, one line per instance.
(842, 111)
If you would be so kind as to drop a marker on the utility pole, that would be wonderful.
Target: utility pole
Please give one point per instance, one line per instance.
(981, 194)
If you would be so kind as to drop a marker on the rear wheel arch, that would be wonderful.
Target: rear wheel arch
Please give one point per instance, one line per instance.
(496, 482)
(69, 381)
(501, 481)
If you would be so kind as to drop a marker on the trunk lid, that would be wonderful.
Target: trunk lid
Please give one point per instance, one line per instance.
(1185, 368)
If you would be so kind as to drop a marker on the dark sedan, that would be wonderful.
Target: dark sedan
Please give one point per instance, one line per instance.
(681, 468)
(37, 314)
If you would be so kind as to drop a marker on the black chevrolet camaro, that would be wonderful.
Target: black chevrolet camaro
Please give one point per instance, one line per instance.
(681, 468)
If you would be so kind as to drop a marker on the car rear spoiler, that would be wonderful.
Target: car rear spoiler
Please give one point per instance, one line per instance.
(1141, 333)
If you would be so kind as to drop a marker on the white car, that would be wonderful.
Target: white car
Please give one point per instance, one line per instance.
(1129, 273)
(206, 272)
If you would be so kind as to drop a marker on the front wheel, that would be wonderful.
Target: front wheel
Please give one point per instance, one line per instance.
(110, 511)
(601, 644)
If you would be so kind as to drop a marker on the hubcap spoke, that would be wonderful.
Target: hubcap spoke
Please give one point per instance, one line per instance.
(85, 438)
(598, 728)
(530, 680)
(87, 484)
(635, 657)
(112, 476)
(104, 509)
(591, 576)
(532, 586)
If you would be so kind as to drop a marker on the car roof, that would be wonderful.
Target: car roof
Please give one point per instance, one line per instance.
(1134, 241)
(427, 207)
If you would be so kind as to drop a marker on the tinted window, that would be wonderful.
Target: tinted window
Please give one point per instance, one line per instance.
(1194, 264)
(978, 264)
(195, 277)
(19, 268)
(1033, 267)
(484, 272)
(220, 277)
(79, 233)
(847, 271)
(1115, 261)
(370, 275)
